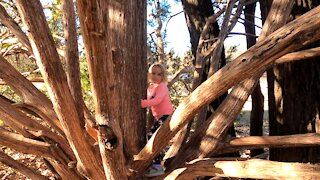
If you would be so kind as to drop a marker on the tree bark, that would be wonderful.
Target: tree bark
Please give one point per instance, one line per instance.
(71, 56)
(218, 123)
(30, 128)
(255, 142)
(255, 169)
(115, 42)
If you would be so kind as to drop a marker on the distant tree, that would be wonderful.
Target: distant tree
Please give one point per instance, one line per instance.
(257, 112)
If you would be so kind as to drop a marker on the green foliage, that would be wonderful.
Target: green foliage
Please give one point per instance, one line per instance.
(181, 88)
(153, 10)
(231, 53)
(54, 19)
(85, 83)
(152, 20)
(9, 93)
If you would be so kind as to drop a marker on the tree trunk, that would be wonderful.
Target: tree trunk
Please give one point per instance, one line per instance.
(256, 116)
(296, 85)
(115, 41)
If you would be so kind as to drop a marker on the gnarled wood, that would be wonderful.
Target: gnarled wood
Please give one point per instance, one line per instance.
(30, 94)
(56, 81)
(299, 55)
(29, 127)
(71, 56)
(26, 145)
(115, 36)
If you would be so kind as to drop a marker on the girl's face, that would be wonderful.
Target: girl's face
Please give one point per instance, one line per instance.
(156, 74)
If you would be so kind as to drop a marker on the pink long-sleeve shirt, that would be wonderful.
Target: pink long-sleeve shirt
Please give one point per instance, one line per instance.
(158, 99)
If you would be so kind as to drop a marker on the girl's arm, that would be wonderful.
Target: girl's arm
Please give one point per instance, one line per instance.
(161, 92)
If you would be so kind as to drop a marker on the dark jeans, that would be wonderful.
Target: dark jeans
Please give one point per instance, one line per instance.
(153, 129)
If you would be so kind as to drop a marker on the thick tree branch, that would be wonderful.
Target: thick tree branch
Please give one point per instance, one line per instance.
(72, 56)
(256, 142)
(202, 54)
(25, 145)
(299, 55)
(255, 169)
(29, 127)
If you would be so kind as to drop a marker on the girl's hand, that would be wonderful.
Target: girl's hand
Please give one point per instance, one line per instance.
(143, 103)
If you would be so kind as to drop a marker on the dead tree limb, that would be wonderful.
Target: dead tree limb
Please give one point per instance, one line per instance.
(256, 142)
(254, 168)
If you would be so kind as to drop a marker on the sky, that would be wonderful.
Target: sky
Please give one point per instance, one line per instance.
(178, 36)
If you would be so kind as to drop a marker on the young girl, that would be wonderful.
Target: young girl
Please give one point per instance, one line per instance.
(159, 101)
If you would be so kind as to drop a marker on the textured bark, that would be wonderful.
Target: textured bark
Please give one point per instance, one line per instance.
(115, 41)
(296, 89)
(207, 138)
(71, 56)
(299, 55)
(257, 59)
(47, 150)
(23, 144)
(255, 169)
(55, 78)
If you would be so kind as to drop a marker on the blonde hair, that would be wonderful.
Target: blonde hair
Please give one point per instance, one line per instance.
(163, 72)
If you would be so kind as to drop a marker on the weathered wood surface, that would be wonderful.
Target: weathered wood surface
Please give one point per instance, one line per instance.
(254, 168)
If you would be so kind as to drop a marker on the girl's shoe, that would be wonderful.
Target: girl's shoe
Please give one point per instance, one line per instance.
(154, 170)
